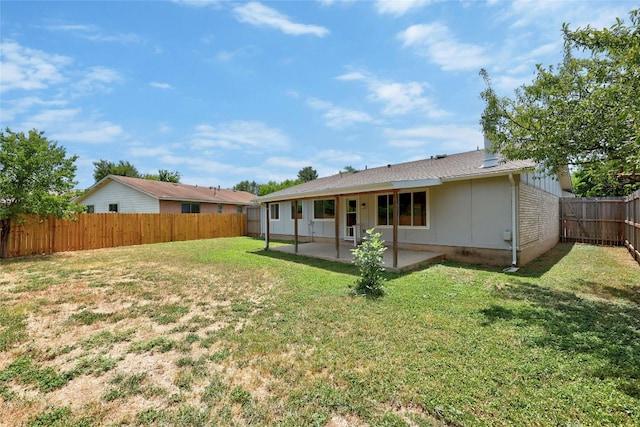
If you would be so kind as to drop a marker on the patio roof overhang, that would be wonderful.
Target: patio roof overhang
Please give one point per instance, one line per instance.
(346, 191)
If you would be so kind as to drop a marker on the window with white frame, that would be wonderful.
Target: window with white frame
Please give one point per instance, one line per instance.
(385, 209)
(274, 211)
(293, 210)
(412, 209)
(324, 209)
(190, 208)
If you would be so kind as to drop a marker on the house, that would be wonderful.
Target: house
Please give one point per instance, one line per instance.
(470, 207)
(134, 195)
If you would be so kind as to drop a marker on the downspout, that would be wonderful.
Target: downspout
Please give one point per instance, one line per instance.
(514, 223)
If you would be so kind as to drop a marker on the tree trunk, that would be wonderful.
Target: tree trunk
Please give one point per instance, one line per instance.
(5, 229)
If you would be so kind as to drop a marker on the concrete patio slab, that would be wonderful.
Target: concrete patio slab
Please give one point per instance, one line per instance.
(407, 259)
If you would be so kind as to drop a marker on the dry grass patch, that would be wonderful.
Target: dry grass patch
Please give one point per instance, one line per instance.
(215, 332)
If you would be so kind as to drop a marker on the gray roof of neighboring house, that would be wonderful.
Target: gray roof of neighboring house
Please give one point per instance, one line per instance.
(419, 173)
(179, 192)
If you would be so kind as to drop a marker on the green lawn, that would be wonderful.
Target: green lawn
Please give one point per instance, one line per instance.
(218, 332)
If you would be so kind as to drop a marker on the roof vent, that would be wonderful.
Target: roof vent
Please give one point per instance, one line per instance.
(389, 166)
(491, 159)
(440, 156)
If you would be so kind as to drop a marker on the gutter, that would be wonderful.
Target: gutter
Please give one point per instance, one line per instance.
(514, 224)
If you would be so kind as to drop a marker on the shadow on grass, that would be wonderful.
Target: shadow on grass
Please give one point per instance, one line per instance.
(334, 266)
(545, 262)
(606, 330)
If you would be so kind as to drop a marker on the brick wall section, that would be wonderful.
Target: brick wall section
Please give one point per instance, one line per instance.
(538, 214)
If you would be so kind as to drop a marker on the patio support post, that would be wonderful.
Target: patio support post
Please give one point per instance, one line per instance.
(266, 236)
(396, 220)
(337, 223)
(295, 223)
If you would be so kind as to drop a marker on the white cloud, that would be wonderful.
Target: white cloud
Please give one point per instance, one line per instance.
(71, 125)
(397, 98)
(454, 138)
(159, 85)
(243, 52)
(399, 7)
(233, 135)
(436, 42)
(29, 69)
(94, 33)
(257, 14)
(15, 107)
(96, 79)
(337, 117)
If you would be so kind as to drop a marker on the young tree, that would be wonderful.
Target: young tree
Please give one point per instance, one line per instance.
(369, 259)
(36, 178)
(587, 110)
(307, 174)
(348, 169)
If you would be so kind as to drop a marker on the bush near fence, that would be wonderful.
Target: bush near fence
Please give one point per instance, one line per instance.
(95, 231)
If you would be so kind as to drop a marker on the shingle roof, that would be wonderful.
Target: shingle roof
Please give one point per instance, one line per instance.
(182, 192)
(424, 172)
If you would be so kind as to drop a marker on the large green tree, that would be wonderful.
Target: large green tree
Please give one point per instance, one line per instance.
(103, 168)
(36, 178)
(307, 173)
(584, 111)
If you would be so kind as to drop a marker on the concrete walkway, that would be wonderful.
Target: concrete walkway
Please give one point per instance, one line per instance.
(407, 260)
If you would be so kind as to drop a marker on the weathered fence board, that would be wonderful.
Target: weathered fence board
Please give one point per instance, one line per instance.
(632, 225)
(95, 231)
(253, 221)
(599, 221)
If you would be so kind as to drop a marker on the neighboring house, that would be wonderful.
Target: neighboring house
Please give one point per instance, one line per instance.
(134, 195)
(471, 207)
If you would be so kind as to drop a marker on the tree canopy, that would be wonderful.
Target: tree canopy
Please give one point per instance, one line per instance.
(36, 178)
(103, 168)
(307, 174)
(584, 111)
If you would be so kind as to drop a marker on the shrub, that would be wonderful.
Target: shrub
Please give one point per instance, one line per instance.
(368, 258)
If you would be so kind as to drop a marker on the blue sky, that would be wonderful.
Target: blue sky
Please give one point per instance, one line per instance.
(227, 91)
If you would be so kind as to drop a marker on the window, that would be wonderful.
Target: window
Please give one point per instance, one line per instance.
(113, 207)
(219, 208)
(385, 209)
(91, 208)
(239, 209)
(324, 209)
(191, 208)
(293, 211)
(274, 211)
(412, 209)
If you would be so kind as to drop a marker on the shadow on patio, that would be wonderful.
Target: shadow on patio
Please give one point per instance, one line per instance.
(407, 260)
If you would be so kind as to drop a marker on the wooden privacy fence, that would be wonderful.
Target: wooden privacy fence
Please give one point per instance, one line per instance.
(253, 221)
(611, 221)
(599, 221)
(95, 231)
(632, 225)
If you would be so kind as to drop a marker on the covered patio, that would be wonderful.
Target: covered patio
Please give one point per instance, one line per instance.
(407, 260)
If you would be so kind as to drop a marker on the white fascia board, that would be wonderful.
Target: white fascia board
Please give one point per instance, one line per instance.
(416, 183)
(486, 175)
(327, 193)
